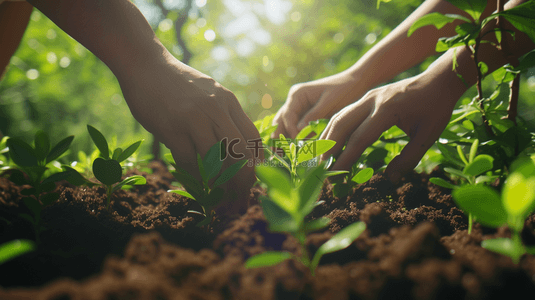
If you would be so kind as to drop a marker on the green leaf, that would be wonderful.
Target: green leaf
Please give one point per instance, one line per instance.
(56, 177)
(74, 177)
(504, 246)
(473, 150)
(473, 7)
(12, 249)
(519, 195)
(340, 241)
(200, 165)
(522, 17)
(443, 183)
(212, 199)
(279, 186)
(192, 185)
(317, 224)
(483, 68)
(481, 163)
(182, 193)
(116, 153)
(363, 176)
(309, 190)
(266, 259)
(436, 19)
(279, 220)
(456, 172)
(129, 151)
(527, 62)
(42, 145)
(107, 171)
(212, 161)
(132, 180)
(461, 154)
(21, 153)
(229, 172)
(100, 141)
(283, 144)
(483, 202)
(49, 198)
(314, 149)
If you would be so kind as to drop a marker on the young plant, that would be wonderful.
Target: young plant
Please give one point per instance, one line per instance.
(291, 197)
(472, 169)
(207, 192)
(32, 163)
(516, 203)
(107, 169)
(12, 249)
(355, 177)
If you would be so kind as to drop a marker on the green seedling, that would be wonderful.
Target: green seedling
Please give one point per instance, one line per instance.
(474, 169)
(107, 168)
(3, 153)
(32, 163)
(12, 249)
(207, 191)
(291, 197)
(516, 203)
(355, 177)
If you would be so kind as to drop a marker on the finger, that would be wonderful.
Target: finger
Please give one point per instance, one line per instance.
(184, 154)
(324, 108)
(248, 131)
(342, 125)
(410, 156)
(280, 126)
(365, 135)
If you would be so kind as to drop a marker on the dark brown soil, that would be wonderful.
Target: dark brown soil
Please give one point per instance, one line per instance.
(147, 246)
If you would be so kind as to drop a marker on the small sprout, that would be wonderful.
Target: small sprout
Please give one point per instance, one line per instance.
(291, 197)
(107, 169)
(33, 163)
(207, 191)
(473, 172)
(516, 203)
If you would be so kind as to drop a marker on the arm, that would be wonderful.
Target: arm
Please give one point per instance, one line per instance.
(184, 108)
(394, 54)
(14, 17)
(421, 105)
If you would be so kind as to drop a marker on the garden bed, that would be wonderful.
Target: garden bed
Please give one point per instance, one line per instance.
(147, 246)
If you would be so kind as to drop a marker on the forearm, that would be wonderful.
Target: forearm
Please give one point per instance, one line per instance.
(396, 52)
(114, 30)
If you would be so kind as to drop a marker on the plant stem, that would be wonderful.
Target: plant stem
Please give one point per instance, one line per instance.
(480, 89)
(108, 194)
(470, 221)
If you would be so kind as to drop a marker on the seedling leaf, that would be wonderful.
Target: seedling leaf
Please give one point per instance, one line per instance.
(280, 188)
(473, 150)
(317, 224)
(480, 164)
(107, 171)
(201, 168)
(310, 189)
(212, 161)
(129, 151)
(483, 202)
(21, 153)
(189, 182)
(519, 195)
(363, 176)
(314, 149)
(212, 199)
(116, 153)
(15, 248)
(436, 19)
(182, 193)
(42, 145)
(279, 219)
(99, 140)
(473, 7)
(266, 259)
(132, 180)
(340, 241)
(522, 17)
(229, 172)
(441, 182)
(504, 246)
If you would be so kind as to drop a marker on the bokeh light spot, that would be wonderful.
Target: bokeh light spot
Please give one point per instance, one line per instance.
(370, 38)
(200, 3)
(209, 35)
(267, 101)
(32, 74)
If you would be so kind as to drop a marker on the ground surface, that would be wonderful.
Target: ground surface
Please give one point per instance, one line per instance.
(147, 247)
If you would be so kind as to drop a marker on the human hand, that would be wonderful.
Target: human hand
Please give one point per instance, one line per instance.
(189, 112)
(315, 100)
(421, 106)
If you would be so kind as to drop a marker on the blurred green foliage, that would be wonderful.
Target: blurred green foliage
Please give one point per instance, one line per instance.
(258, 49)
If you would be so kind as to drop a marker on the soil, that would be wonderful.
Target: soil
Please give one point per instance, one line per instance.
(147, 246)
